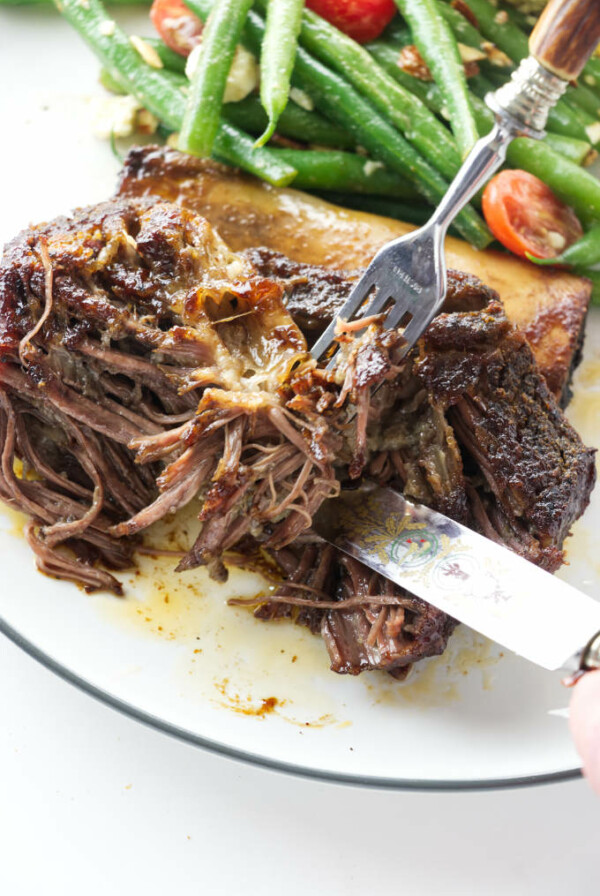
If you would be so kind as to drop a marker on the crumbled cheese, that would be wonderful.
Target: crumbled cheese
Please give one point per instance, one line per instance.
(371, 166)
(301, 99)
(501, 17)
(173, 140)
(146, 51)
(470, 54)
(593, 132)
(243, 75)
(114, 115)
(107, 27)
(556, 240)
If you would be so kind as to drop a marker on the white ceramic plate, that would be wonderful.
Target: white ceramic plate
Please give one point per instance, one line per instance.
(211, 674)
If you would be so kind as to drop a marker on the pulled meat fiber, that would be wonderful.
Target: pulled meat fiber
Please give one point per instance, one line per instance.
(144, 366)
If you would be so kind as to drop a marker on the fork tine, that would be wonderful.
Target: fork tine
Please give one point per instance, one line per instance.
(415, 328)
(379, 299)
(396, 313)
(347, 312)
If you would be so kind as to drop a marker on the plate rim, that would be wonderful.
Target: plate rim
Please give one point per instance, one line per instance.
(255, 759)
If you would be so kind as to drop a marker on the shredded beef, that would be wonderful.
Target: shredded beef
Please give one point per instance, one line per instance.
(143, 365)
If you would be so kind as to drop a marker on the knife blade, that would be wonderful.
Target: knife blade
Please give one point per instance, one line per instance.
(481, 583)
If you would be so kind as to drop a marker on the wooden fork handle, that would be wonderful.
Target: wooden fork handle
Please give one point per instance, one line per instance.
(566, 35)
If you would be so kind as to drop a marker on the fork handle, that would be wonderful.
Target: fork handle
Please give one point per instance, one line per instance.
(565, 36)
(485, 158)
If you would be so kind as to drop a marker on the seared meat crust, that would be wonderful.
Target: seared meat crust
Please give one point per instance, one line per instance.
(548, 307)
(314, 295)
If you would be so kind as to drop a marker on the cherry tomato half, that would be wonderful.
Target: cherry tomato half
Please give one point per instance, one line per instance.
(363, 20)
(526, 217)
(179, 28)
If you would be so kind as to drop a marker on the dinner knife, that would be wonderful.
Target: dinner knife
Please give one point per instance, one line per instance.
(475, 580)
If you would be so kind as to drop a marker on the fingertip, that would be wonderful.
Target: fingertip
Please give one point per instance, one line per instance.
(584, 722)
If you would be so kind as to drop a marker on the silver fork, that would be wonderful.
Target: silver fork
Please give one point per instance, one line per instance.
(407, 277)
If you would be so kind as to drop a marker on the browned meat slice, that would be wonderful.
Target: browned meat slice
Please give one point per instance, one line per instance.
(314, 295)
(533, 475)
(549, 308)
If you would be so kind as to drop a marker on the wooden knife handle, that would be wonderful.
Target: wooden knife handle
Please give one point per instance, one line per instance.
(566, 35)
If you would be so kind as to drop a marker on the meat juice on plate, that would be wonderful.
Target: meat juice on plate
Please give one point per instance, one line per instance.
(260, 669)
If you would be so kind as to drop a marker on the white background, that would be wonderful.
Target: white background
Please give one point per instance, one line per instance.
(93, 803)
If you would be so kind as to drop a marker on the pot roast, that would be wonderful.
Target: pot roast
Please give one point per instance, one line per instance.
(144, 366)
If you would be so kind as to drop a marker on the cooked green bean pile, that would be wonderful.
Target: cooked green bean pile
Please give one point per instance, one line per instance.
(381, 126)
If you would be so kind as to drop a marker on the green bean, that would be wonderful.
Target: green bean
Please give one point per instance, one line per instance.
(157, 89)
(109, 83)
(463, 30)
(438, 48)
(577, 151)
(387, 57)
(397, 33)
(410, 212)
(495, 25)
(343, 171)
(277, 57)
(335, 98)
(581, 254)
(591, 73)
(562, 120)
(523, 20)
(171, 60)
(236, 148)
(203, 109)
(585, 98)
(398, 106)
(343, 104)
(295, 122)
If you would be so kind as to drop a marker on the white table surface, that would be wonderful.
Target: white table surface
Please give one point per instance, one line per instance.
(92, 802)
